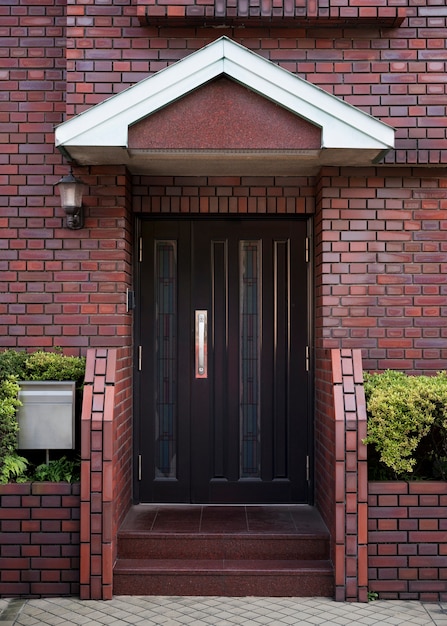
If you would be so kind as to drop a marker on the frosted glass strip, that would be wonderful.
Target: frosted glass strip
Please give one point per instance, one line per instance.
(166, 358)
(250, 352)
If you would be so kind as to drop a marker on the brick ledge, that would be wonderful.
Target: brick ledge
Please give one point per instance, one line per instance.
(267, 13)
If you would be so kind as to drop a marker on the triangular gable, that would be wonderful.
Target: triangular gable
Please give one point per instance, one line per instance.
(223, 115)
(343, 127)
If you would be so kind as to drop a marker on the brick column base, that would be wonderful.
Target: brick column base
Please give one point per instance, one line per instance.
(351, 477)
(96, 475)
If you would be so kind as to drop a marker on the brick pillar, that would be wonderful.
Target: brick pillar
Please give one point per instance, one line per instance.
(351, 477)
(105, 467)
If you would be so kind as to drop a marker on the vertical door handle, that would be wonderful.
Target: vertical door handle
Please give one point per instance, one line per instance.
(201, 360)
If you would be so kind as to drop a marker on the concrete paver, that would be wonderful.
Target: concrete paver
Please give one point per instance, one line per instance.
(213, 611)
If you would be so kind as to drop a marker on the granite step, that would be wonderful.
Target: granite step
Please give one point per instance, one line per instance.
(223, 550)
(228, 546)
(209, 577)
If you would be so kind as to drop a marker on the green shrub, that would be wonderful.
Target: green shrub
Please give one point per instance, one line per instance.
(42, 365)
(12, 363)
(18, 469)
(54, 366)
(58, 470)
(9, 427)
(13, 468)
(407, 425)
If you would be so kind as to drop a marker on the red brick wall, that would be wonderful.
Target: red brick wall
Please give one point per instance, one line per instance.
(32, 84)
(407, 547)
(266, 195)
(380, 265)
(122, 438)
(58, 287)
(39, 540)
(68, 288)
(324, 435)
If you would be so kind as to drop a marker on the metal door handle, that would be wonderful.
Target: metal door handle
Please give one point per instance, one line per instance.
(201, 344)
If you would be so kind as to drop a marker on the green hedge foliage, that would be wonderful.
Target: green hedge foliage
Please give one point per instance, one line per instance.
(407, 426)
(9, 427)
(41, 365)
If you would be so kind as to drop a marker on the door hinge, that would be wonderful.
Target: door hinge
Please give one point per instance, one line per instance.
(307, 249)
(140, 357)
(140, 249)
(139, 466)
(130, 300)
(307, 358)
(307, 468)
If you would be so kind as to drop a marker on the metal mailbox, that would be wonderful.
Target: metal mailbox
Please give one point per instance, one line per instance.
(47, 415)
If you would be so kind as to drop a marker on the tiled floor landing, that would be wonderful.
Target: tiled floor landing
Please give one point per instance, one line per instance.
(215, 519)
(223, 550)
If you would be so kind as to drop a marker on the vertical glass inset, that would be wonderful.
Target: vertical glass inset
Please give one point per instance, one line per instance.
(250, 357)
(219, 339)
(281, 329)
(165, 358)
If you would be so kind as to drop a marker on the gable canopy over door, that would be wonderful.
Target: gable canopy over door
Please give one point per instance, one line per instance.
(106, 133)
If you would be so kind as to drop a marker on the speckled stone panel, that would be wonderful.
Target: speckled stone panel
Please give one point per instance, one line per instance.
(223, 115)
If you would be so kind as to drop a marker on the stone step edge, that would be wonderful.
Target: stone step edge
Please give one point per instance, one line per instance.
(197, 567)
(245, 536)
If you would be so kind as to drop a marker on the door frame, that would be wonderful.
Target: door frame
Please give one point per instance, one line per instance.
(133, 303)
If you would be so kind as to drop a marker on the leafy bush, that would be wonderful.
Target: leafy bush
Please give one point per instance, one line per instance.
(18, 469)
(407, 425)
(59, 470)
(42, 365)
(12, 363)
(13, 468)
(9, 427)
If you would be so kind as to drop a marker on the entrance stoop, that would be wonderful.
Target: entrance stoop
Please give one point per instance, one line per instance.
(275, 550)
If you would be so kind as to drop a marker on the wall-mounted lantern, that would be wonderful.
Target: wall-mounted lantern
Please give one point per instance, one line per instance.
(71, 190)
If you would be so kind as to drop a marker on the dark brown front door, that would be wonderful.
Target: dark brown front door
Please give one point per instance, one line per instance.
(223, 384)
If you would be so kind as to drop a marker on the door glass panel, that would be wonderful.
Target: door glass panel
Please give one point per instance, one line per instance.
(165, 358)
(250, 349)
(219, 338)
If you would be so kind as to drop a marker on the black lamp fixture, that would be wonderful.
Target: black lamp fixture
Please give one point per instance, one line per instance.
(71, 190)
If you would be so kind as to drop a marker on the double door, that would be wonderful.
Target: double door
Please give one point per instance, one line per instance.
(222, 377)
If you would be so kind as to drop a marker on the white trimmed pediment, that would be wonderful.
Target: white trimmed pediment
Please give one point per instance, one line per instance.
(100, 135)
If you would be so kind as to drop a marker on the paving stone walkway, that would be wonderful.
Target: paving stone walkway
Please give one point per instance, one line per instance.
(213, 611)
